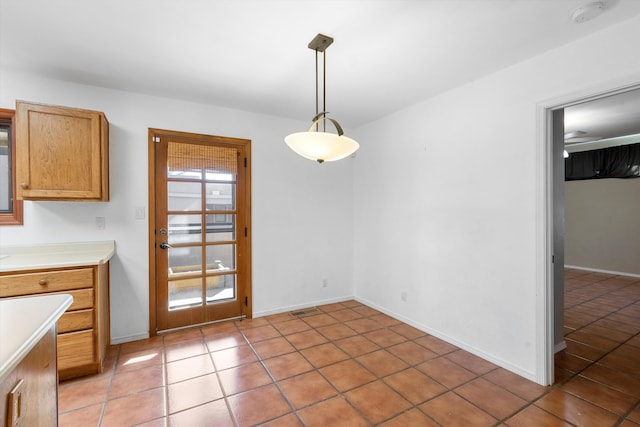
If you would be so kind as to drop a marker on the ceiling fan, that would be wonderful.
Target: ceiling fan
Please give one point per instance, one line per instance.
(578, 136)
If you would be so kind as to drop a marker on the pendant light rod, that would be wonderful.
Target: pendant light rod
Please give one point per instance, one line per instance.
(320, 43)
(316, 83)
(324, 87)
(319, 145)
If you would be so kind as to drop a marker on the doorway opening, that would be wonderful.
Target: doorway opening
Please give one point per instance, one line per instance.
(555, 131)
(199, 222)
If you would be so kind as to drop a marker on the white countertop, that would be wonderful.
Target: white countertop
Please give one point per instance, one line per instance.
(55, 255)
(23, 322)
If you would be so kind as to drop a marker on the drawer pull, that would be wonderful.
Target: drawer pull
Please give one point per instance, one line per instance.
(43, 282)
(24, 186)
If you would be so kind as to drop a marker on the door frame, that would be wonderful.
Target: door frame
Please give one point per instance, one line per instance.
(545, 211)
(153, 316)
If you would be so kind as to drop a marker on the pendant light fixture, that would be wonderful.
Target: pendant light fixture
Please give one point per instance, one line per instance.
(322, 146)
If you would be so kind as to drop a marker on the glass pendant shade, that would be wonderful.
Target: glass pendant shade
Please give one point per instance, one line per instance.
(322, 146)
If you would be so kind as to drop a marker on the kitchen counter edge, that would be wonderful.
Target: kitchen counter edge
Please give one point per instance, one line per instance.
(55, 255)
(35, 315)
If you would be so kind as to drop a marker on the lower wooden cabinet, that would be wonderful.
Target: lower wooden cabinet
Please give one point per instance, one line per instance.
(75, 350)
(84, 329)
(75, 321)
(28, 395)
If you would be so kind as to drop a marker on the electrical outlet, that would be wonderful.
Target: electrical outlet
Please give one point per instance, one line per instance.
(325, 283)
(404, 296)
(101, 223)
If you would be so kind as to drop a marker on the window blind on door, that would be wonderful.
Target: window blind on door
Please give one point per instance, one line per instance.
(189, 157)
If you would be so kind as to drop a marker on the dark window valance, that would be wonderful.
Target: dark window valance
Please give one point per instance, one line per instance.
(613, 162)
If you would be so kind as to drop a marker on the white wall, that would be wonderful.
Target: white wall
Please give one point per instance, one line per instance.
(302, 229)
(449, 201)
(602, 225)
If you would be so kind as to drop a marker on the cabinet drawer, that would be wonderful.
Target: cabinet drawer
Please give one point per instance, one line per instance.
(48, 281)
(82, 299)
(75, 349)
(75, 321)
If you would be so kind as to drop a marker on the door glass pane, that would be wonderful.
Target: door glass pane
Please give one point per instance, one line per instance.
(184, 289)
(185, 228)
(185, 293)
(221, 288)
(221, 227)
(221, 257)
(184, 196)
(184, 261)
(221, 197)
(184, 174)
(6, 177)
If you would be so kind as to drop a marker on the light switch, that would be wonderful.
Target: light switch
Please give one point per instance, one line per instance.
(139, 212)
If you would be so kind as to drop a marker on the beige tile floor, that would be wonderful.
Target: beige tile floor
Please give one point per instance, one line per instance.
(350, 365)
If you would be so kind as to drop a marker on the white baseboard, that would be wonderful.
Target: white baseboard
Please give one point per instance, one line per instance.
(560, 346)
(301, 306)
(129, 338)
(599, 270)
(142, 336)
(491, 358)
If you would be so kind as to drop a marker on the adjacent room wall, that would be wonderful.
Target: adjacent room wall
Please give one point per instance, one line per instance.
(602, 225)
(450, 202)
(302, 229)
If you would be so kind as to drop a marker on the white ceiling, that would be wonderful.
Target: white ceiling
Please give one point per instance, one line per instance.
(606, 122)
(253, 55)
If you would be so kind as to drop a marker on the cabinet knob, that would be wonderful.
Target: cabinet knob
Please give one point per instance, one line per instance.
(43, 282)
(24, 185)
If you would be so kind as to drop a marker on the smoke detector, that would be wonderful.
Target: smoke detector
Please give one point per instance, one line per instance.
(587, 12)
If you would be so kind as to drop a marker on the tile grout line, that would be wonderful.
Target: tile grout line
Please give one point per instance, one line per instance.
(273, 380)
(316, 369)
(106, 396)
(217, 372)
(624, 417)
(354, 359)
(165, 381)
(410, 365)
(378, 378)
(621, 418)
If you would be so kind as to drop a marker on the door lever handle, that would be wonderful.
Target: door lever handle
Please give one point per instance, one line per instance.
(165, 245)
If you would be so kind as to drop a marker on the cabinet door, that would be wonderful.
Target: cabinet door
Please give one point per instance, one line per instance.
(28, 394)
(61, 153)
(75, 349)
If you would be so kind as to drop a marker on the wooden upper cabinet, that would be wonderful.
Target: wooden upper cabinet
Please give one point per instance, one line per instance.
(61, 153)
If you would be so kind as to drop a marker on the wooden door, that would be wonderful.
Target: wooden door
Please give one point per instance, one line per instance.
(201, 222)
